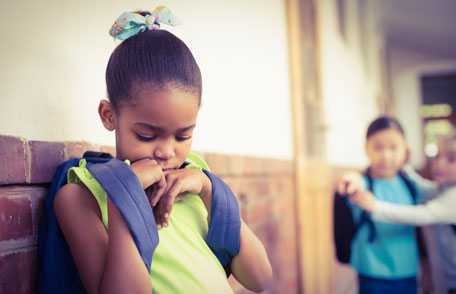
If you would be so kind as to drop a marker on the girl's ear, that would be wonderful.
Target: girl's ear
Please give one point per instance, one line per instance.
(107, 115)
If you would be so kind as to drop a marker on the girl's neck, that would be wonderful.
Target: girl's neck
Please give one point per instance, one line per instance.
(377, 175)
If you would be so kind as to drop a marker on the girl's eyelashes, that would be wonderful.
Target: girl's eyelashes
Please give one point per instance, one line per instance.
(183, 138)
(145, 138)
(179, 138)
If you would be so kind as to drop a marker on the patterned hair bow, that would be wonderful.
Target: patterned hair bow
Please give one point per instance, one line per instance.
(129, 24)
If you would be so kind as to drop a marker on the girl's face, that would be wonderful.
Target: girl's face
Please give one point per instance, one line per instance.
(387, 152)
(158, 125)
(444, 165)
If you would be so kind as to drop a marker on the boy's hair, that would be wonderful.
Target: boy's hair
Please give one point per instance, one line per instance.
(382, 123)
(154, 58)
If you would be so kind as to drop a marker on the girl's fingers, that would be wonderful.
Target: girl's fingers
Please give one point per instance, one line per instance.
(171, 196)
(158, 212)
(161, 187)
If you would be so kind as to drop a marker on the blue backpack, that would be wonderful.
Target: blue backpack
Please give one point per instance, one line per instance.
(345, 228)
(57, 271)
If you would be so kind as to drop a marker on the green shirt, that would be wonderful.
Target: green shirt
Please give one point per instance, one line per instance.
(182, 261)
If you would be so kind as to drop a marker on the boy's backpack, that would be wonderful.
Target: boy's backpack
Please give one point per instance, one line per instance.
(58, 273)
(344, 226)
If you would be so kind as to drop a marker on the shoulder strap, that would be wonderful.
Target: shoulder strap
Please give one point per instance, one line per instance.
(96, 157)
(365, 217)
(125, 191)
(410, 186)
(343, 227)
(224, 233)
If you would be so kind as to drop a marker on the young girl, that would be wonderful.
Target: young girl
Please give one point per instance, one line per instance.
(154, 89)
(388, 262)
(440, 210)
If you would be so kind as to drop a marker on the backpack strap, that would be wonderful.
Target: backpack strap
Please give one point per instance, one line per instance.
(126, 192)
(413, 190)
(343, 227)
(224, 233)
(96, 157)
(366, 217)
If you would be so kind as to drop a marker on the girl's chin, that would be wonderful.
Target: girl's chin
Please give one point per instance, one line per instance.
(385, 173)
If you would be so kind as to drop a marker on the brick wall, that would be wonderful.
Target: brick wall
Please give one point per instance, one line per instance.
(263, 186)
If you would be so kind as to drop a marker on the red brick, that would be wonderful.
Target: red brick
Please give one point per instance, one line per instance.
(109, 149)
(37, 196)
(77, 149)
(254, 166)
(236, 164)
(15, 214)
(279, 166)
(259, 213)
(217, 163)
(44, 159)
(18, 272)
(12, 160)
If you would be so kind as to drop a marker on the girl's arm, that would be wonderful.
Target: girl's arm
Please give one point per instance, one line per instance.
(124, 269)
(251, 267)
(106, 261)
(426, 187)
(439, 210)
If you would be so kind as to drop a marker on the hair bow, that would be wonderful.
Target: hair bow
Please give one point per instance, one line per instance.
(129, 24)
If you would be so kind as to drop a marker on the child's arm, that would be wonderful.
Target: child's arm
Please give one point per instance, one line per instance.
(79, 218)
(439, 210)
(350, 183)
(106, 261)
(251, 267)
(124, 269)
(426, 187)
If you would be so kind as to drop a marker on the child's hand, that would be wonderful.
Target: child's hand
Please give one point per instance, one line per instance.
(152, 178)
(364, 199)
(350, 183)
(187, 180)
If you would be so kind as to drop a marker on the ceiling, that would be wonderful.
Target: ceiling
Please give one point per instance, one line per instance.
(427, 26)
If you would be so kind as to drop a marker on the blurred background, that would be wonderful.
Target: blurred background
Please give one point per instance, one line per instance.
(289, 89)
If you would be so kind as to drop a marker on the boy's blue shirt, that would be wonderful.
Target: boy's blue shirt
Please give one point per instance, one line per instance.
(394, 252)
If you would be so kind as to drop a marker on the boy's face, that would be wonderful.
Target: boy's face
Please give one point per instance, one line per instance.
(158, 124)
(387, 152)
(444, 165)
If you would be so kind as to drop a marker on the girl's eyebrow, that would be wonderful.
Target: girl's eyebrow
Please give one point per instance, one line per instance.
(160, 129)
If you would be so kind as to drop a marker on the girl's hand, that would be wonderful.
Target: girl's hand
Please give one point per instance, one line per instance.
(151, 177)
(364, 199)
(179, 181)
(350, 183)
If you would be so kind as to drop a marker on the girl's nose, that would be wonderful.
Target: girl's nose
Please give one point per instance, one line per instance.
(164, 151)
